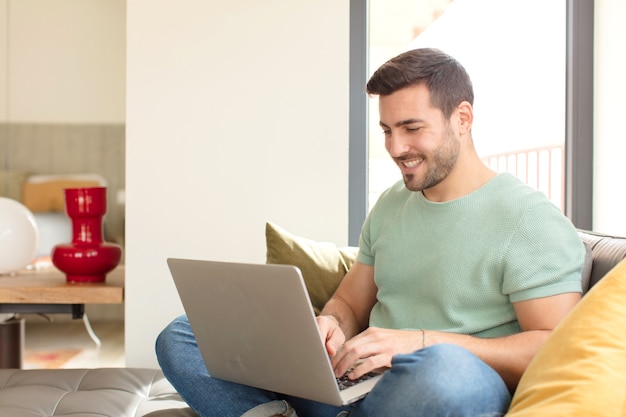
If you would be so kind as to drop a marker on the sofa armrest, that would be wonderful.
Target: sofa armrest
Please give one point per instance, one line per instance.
(607, 251)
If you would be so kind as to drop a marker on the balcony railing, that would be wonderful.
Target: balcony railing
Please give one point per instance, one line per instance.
(542, 168)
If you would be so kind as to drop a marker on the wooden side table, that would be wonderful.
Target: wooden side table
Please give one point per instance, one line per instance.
(47, 291)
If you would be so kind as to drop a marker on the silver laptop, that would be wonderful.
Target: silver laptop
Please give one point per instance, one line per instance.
(255, 325)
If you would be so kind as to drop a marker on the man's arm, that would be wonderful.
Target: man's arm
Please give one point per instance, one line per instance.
(510, 355)
(345, 318)
(349, 307)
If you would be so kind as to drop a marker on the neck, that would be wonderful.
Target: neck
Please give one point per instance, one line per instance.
(468, 175)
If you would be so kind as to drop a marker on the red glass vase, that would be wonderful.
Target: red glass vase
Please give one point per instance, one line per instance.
(88, 258)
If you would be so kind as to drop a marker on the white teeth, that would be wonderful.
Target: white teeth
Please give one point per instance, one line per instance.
(412, 164)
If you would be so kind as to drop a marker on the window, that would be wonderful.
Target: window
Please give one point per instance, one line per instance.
(519, 56)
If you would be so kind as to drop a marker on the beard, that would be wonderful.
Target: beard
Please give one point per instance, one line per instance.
(438, 165)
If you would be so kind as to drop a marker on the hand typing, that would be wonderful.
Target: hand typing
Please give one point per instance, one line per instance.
(373, 349)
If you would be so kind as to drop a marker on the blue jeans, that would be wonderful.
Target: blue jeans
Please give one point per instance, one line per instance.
(441, 380)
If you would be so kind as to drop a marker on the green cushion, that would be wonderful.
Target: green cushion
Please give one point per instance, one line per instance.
(323, 264)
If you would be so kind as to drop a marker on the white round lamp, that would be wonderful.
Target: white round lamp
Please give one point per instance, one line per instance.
(19, 236)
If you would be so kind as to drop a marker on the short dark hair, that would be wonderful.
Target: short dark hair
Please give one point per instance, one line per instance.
(446, 79)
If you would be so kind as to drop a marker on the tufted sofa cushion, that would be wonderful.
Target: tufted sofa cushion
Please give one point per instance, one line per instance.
(113, 392)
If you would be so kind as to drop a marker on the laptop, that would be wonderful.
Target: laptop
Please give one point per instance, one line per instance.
(255, 325)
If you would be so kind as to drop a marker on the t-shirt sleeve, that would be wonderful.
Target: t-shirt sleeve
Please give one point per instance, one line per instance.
(545, 256)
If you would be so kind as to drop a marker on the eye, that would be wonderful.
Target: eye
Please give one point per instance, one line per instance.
(387, 132)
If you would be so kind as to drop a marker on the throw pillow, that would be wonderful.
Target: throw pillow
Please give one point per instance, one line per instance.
(43, 193)
(323, 264)
(581, 369)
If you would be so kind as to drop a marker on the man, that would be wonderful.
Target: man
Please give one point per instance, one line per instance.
(461, 276)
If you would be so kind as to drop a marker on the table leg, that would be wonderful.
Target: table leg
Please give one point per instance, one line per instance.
(11, 343)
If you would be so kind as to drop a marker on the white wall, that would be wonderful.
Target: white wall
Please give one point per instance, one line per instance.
(62, 61)
(609, 137)
(237, 113)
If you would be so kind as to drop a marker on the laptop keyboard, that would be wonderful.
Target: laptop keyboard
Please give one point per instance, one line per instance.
(345, 382)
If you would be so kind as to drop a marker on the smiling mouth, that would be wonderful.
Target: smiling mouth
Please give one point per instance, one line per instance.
(411, 163)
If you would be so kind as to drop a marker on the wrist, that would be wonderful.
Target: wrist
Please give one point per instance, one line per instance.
(424, 338)
(331, 317)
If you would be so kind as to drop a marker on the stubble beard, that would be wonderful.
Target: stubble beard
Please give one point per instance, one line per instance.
(439, 165)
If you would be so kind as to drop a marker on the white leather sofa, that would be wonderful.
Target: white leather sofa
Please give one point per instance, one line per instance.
(126, 392)
(110, 392)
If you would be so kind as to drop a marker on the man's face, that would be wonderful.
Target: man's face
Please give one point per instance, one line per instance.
(418, 138)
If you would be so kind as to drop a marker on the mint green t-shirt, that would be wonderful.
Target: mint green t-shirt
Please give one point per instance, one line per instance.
(457, 266)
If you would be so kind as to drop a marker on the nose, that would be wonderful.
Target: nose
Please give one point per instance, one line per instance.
(396, 144)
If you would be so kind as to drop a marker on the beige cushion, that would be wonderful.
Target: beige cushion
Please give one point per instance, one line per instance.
(581, 369)
(43, 193)
(323, 264)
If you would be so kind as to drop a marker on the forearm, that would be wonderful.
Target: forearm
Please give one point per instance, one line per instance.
(342, 313)
(351, 304)
(509, 356)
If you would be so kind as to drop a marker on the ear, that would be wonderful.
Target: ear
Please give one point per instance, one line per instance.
(465, 114)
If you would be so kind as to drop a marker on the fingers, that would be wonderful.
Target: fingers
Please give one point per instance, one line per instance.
(358, 354)
(331, 334)
(331, 348)
(363, 353)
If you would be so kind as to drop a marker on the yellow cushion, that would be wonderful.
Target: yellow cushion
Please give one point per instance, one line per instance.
(581, 369)
(323, 264)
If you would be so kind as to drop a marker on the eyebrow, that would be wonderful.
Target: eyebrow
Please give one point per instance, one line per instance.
(402, 122)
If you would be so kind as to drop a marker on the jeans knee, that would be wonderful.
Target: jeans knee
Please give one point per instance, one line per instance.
(429, 369)
(168, 341)
(161, 344)
(449, 371)
(439, 380)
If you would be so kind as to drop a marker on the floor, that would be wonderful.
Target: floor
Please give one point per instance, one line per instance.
(69, 344)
